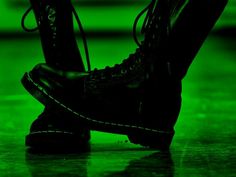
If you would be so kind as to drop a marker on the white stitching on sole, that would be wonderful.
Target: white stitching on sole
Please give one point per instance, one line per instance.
(88, 118)
(50, 131)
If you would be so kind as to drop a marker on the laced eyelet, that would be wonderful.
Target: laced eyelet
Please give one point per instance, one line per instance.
(52, 17)
(23, 21)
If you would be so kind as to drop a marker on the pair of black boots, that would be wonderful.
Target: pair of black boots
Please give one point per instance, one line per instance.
(141, 97)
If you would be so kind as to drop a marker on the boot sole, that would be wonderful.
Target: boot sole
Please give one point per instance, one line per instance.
(157, 139)
(55, 140)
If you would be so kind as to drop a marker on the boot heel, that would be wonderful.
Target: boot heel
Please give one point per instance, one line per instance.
(157, 141)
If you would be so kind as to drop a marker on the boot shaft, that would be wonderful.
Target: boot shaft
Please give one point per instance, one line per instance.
(190, 30)
(55, 22)
(172, 51)
(175, 32)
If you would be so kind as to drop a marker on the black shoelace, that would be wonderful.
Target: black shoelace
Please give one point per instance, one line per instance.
(149, 13)
(134, 59)
(80, 28)
(149, 10)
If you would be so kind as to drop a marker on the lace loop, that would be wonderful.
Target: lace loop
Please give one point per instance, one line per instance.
(149, 9)
(80, 29)
(83, 38)
(23, 21)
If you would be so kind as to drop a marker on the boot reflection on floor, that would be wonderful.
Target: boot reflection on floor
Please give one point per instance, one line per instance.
(76, 165)
(156, 164)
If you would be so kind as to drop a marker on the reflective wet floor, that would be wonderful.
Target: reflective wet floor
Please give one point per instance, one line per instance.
(204, 143)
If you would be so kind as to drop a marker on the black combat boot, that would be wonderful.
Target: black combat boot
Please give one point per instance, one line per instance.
(54, 127)
(189, 30)
(142, 96)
